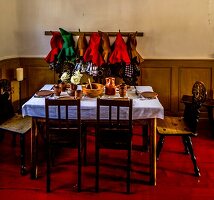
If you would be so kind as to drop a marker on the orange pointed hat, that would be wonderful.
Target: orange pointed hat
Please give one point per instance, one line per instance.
(81, 45)
(92, 53)
(105, 46)
(132, 45)
(120, 53)
(56, 44)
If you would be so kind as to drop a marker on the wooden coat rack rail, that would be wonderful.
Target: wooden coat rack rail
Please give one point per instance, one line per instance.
(77, 33)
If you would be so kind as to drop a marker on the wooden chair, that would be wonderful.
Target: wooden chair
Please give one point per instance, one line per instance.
(208, 104)
(63, 130)
(113, 132)
(185, 126)
(11, 122)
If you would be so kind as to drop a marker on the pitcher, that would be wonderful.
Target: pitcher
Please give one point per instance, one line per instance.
(110, 88)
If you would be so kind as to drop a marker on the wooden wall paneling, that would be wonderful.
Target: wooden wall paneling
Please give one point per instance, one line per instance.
(160, 80)
(174, 98)
(8, 68)
(37, 77)
(37, 73)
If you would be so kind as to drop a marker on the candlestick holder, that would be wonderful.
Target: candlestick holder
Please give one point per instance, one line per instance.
(20, 78)
(20, 97)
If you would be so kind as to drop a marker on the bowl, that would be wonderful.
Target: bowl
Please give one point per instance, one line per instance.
(97, 90)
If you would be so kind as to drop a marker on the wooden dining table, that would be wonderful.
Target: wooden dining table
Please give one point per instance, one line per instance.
(145, 111)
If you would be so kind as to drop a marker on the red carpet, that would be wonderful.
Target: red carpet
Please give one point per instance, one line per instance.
(175, 178)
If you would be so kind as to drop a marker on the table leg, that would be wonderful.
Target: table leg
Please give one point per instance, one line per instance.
(210, 116)
(34, 144)
(152, 129)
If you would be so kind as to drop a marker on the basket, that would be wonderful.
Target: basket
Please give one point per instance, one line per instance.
(97, 90)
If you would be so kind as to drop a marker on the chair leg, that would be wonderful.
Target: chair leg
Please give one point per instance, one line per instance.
(145, 138)
(1, 136)
(186, 150)
(193, 158)
(84, 130)
(53, 156)
(14, 140)
(97, 169)
(128, 171)
(22, 154)
(160, 145)
(48, 172)
(79, 168)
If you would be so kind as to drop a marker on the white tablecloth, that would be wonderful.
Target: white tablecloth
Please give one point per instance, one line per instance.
(142, 108)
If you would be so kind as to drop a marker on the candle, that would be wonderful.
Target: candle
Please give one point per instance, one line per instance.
(19, 74)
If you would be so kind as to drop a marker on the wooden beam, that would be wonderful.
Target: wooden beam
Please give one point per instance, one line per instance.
(76, 33)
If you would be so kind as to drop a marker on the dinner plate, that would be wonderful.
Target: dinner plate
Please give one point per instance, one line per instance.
(44, 93)
(149, 95)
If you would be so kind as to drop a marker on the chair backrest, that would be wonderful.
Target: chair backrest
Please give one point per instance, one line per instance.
(63, 120)
(114, 122)
(199, 92)
(6, 107)
(115, 114)
(192, 111)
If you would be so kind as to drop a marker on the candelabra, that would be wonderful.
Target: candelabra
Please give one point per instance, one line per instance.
(20, 78)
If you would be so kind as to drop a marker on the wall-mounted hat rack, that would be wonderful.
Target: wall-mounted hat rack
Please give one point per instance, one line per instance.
(77, 33)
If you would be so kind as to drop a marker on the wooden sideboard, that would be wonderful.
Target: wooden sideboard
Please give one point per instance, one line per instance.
(169, 78)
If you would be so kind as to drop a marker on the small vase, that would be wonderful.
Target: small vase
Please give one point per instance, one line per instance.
(73, 86)
(57, 90)
(62, 86)
(72, 89)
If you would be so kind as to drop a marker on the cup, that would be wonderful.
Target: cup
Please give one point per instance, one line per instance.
(57, 90)
(78, 94)
(123, 90)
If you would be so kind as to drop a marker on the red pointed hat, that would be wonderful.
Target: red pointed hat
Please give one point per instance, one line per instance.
(56, 44)
(92, 53)
(120, 53)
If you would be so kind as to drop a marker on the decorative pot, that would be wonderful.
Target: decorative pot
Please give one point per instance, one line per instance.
(97, 90)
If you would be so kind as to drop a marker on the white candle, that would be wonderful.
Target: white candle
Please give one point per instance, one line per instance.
(19, 74)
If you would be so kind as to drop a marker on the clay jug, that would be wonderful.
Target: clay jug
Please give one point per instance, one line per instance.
(110, 88)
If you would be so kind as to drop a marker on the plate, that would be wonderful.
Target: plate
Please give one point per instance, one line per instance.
(44, 93)
(149, 95)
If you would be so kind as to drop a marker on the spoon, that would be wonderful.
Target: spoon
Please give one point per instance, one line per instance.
(89, 81)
